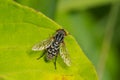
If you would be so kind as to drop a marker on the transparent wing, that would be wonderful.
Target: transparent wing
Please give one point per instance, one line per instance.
(64, 54)
(42, 45)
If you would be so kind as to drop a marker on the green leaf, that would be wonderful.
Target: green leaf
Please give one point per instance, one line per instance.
(46, 7)
(22, 27)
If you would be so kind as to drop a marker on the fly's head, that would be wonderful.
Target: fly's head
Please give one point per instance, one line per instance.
(61, 31)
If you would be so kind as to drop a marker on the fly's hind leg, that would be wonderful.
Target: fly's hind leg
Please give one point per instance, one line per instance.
(41, 55)
(55, 62)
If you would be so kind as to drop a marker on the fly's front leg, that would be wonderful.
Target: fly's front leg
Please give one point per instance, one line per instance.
(55, 62)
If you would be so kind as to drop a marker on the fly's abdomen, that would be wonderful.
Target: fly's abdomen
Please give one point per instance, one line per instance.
(52, 51)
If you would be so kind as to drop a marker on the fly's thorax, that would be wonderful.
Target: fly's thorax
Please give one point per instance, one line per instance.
(59, 36)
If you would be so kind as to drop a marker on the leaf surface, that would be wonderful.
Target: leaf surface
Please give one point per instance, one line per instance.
(22, 27)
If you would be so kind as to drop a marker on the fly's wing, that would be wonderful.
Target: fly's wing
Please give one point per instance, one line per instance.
(64, 54)
(42, 45)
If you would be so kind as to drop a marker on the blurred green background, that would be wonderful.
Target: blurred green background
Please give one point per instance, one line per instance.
(94, 23)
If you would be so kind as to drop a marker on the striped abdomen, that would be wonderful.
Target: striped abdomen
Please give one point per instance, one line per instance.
(52, 51)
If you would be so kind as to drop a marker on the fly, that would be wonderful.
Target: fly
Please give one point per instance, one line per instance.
(53, 47)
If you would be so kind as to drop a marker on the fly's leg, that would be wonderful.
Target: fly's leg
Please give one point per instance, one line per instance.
(55, 62)
(41, 55)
